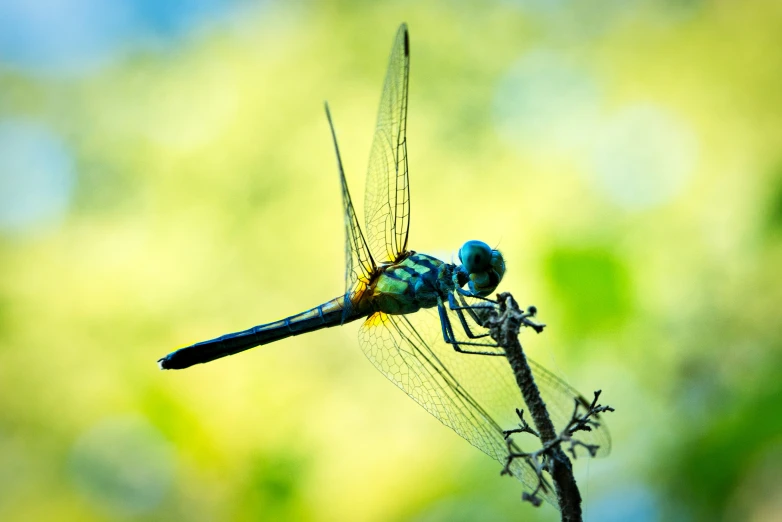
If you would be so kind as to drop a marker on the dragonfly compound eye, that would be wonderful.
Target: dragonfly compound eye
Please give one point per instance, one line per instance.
(498, 263)
(475, 256)
(482, 266)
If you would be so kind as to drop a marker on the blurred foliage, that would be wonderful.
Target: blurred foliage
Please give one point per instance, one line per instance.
(728, 456)
(623, 155)
(775, 202)
(592, 286)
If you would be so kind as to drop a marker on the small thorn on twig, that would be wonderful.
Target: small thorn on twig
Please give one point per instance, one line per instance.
(524, 427)
(532, 499)
(538, 327)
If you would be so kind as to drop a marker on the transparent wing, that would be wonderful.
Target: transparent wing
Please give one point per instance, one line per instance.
(501, 391)
(475, 395)
(359, 265)
(387, 198)
(453, 387)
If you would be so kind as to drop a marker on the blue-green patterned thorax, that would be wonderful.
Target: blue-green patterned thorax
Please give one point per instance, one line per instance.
(409, 285)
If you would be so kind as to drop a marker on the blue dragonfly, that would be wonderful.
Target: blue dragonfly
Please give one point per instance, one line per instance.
(421, 321)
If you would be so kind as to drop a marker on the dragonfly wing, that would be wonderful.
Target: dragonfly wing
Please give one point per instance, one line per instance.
(501, 390)
(359, 265)
(474, 395)
(387, 198)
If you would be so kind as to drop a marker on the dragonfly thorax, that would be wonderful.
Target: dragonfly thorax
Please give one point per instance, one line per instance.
(482, 267)
(411, 284)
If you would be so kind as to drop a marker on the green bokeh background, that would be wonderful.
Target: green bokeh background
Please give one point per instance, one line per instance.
(206, 201)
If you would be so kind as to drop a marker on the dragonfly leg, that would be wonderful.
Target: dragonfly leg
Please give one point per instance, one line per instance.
(474, 309)
(460, 313)
(450, 338)
(467, 293)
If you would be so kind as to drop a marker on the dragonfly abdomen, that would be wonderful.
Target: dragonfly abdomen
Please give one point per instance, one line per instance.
(330, 313)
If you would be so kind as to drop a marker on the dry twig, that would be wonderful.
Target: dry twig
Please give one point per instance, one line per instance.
(504, 327)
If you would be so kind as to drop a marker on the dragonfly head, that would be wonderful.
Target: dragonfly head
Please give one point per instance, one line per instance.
(482, 268)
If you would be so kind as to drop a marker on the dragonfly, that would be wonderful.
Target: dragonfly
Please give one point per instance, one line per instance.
(419, 322)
